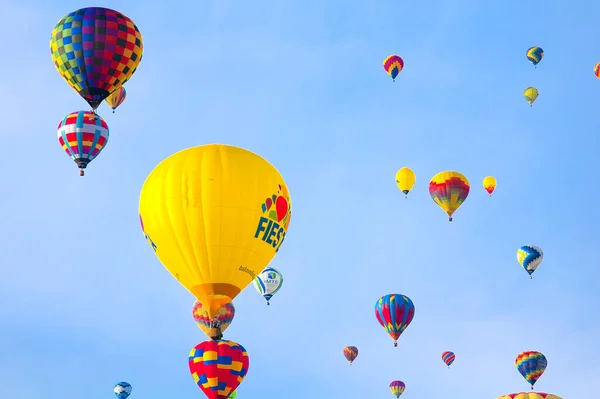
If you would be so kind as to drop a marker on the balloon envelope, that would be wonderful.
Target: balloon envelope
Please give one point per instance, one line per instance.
(531, 365)
(397, 387)
(395, 313)
(221, 320)
(215, 216)
(122, 390)
(489, 183)
(529, 395)
(405, 180)
(531, 94)
(350, 353)
(448, 358)
(393, 65)
(530, 257)
(96, 50)
(116, 98)
(218, 367)
(449, 190)
(534, 55)
(268, 282)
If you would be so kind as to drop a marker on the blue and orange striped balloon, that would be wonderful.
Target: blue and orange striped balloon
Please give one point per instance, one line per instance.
(393, 65)
(534, 55)
(394, 312)
(448, 358)
(82, 135)
(531, 365)
(397, 387)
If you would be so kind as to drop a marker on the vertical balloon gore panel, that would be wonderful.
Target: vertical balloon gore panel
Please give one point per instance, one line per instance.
(215, 215)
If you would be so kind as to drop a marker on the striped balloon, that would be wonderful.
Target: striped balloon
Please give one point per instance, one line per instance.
(397, 387)
(82, 135)
(393, 65)
(531, 365)
(394, 312)
(529, 395)
(534, 55)
(448, 358)
(530, 257)
(449, 190)
(350, 353)
(116, 98)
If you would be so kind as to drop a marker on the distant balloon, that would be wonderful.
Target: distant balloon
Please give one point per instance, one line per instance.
(350, 353)
(448, 358)
(395, 313)
(213, 327)
(530, 257)
(531, 94)
(116, 98)
(449, 190)
(597, 70)
(405, 180)
(534, 55)
(489, 183)
(218, 367)
(397, 387)
(122, 390)
(531, 365)
(393, 65)
(268, 282)
(82, 135)
(529, 395)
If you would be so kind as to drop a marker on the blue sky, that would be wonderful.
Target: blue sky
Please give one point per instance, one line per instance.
(87, 304)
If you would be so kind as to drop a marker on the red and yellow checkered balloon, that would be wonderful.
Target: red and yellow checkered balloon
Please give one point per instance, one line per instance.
(218, 367)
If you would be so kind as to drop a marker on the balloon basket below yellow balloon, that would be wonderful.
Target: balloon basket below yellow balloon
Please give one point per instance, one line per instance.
(216, 334)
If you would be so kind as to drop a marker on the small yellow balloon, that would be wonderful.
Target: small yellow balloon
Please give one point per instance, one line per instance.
(215, 215)
(405, 179)
(489, 183)
(531, 94)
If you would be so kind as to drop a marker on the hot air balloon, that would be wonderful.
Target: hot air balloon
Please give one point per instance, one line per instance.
(350, 353)
(397, 387)
(531, 365)
(448, 358)
(268, 282)
(534, 55)
(405, 179)
(393, 65)
(213, 327)
(449, 190)
(394, 312)
(218, 367)
(529, 395)
(530, 257)
(96, 50)
(489, 183)
(597, 70)
(116, 98)
(122, 390)
(215, 216)
(83, 135)
(531, 94)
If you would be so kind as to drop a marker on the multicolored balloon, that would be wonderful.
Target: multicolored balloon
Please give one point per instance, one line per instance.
(489, 183)
(96, 50)
(530, 257)
(449, 190)
(448, 358)
(83, 135)
(531, 94)
(534, 55)
(395, 313)
(116, 98)
(213, 327)
(268, 282)
(529, 395)
(350, 353)
(597, 70)
(122, 390)
(397, 387)
(405, 180)
(220, 232)
(531, 365)
(218, 367)
(393, 65)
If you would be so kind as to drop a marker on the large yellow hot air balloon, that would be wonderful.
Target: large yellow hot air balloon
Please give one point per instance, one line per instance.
(449, 190)
(405, 179)
(529, 395)
(215, 216)
(531, 94)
